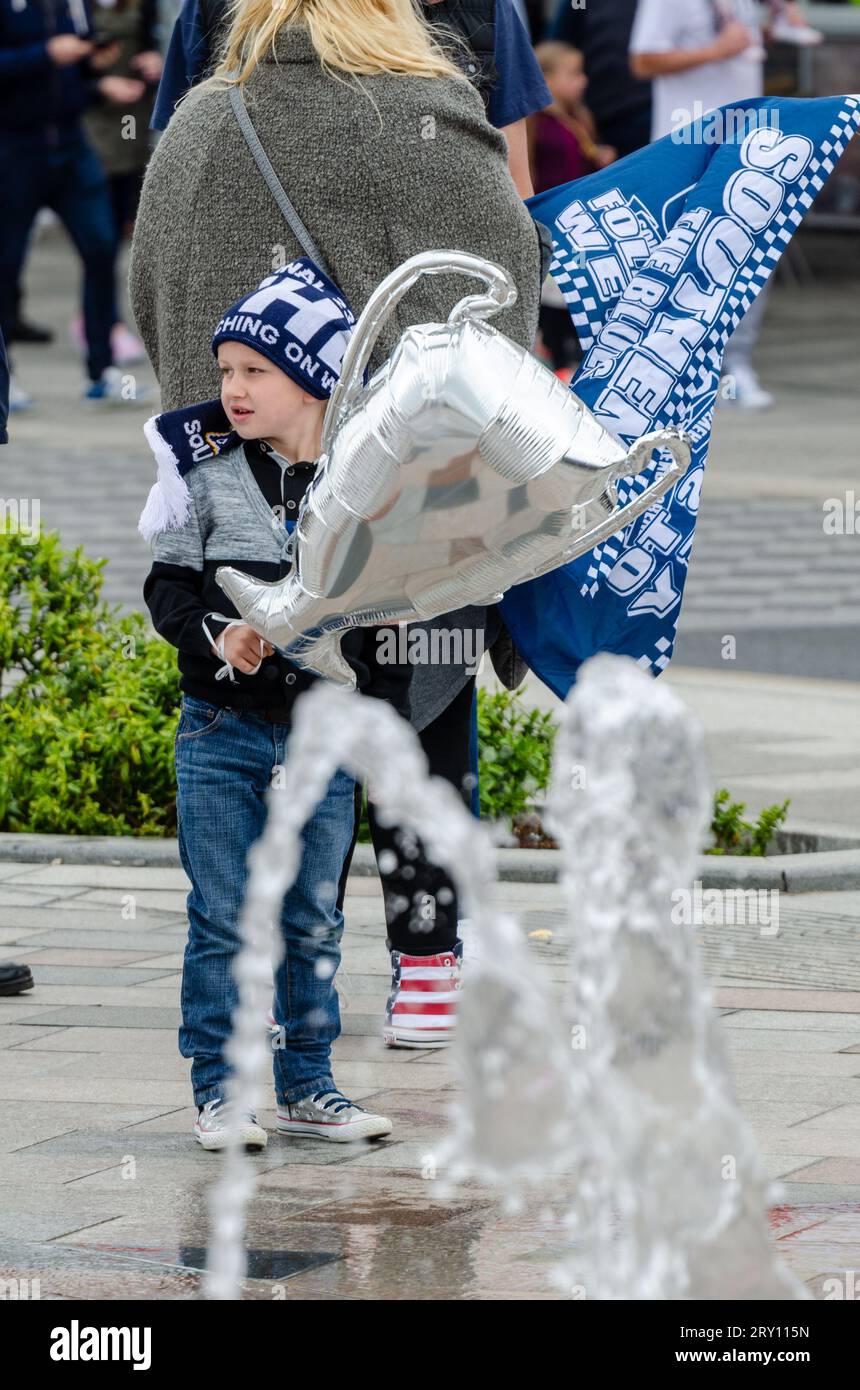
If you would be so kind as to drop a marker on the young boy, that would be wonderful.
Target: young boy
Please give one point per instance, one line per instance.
(231, 476)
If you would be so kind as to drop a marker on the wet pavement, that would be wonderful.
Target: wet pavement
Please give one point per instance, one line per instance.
(103, 1191)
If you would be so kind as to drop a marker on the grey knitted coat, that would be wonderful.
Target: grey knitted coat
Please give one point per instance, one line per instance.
(377, 173)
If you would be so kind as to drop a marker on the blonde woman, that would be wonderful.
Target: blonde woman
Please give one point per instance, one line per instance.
(383, 146)
(497, 57)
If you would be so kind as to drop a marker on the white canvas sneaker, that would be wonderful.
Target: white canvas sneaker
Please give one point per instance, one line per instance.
(212, 1128)
(747, 391)
(329, 1115)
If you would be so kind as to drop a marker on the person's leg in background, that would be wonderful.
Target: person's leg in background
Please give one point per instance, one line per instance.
(739, 382)
(125, 197)
(22, 193)
(81, 199)
(25, 331)
(629, 132)
(421, 909)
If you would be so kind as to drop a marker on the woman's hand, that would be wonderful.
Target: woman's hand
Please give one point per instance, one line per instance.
(121, 91)
(243, 647)
(65, 49)
(148, 65)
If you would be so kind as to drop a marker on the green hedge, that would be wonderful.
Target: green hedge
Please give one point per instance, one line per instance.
(89, 705)
(88, 701)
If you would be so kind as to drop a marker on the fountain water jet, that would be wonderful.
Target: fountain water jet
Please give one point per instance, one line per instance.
(643, 1114)
(671, 1197)
(513, 1061)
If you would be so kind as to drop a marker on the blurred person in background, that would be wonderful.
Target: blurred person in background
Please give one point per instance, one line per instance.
(23, 330)
(563, 139)
(14, 978)
(51, 71)
(700, 55)
(563, 146)
(619, 102)
(502, 66)
(4, 392)
(119, 134)
(786, 23)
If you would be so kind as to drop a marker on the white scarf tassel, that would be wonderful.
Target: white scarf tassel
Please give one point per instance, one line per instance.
(168, 503)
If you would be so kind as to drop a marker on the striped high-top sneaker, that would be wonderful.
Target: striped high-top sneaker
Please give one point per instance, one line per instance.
(422, 1006)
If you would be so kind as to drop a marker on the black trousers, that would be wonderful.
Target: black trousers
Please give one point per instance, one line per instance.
(421, 909)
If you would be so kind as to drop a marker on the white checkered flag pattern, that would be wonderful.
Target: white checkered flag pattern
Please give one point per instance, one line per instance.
(308, 314)
(654, 307)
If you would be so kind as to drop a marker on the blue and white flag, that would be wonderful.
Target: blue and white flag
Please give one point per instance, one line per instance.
(659, 257)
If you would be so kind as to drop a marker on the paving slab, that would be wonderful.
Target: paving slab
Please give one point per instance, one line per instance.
(90, 876)
(77, 1064)
(21, 896)
(823, 1090)
(30, 1122)
(14, 1035)
(95, 977)
(840, 1171)
(17, 1064)
(786, 1040)
(83, 960)
(842, 1118)
(104, 1017)
(818, 1001)
(21, 1006)
(8, 935)
(86, 1092)
(158, 899)
(133, 996)
(797, 1063)
(787, 1021)
(109, 940)
(133, 1041)
(817, 1144)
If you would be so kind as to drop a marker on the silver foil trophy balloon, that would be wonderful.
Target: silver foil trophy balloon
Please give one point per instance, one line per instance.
(463, 467)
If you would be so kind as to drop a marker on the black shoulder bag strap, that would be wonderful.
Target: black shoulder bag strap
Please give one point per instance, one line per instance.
(276, 188)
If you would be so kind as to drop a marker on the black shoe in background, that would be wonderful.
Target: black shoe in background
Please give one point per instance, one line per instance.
(14, 979)
(24, 332)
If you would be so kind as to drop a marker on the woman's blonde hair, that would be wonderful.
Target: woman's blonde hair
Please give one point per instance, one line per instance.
(358, 37)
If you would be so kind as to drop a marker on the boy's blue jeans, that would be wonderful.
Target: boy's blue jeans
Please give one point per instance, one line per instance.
(224, 763)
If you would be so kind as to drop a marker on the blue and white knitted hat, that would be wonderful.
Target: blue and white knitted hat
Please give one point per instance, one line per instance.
(299, 319)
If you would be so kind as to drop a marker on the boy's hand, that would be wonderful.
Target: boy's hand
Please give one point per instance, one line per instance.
(242, 647)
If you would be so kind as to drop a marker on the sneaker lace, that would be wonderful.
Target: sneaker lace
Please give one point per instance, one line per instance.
(218, 1108)
(337, 1101)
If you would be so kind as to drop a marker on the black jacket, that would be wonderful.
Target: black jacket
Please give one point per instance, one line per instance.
(35, 94)
(179, 597)
(4, 392)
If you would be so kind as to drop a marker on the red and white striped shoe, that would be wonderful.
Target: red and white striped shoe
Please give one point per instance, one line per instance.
(422, 1006)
